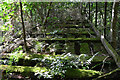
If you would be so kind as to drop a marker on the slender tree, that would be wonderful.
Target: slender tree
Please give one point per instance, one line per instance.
(89, 10)
(96, 16)
(24, 35)
(105, 12)
(113, 24)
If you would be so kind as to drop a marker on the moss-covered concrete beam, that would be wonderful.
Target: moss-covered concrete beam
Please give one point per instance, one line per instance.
(111, 51)
(76, 21)
(74, 26)
(81, 73)
(107, 46)
(71, 39)
(73, 20)
(32, 56)
(71, 73)
(22, 68)
(66, 33)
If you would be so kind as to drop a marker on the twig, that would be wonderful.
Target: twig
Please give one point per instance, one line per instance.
(103, 63)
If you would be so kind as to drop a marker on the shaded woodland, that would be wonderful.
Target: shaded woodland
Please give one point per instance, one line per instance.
(60, 40)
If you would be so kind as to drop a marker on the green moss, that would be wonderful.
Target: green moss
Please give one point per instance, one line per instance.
(108, 75)
(84, 49)
(99, 58)
(71, 73)
(22, 68)
(73, 25)
(95, 59)
(80, 73)
(111, 51)
(29, 57)
(71, 39)
(71, 32)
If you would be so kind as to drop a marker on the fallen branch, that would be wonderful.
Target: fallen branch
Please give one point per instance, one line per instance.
(111, 75)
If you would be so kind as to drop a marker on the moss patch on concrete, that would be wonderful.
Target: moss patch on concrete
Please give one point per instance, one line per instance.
(81, 73)
(22, 69)
(70, 73)
(84, 48)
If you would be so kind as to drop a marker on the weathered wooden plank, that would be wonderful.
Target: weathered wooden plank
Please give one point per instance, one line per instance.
(70, 39)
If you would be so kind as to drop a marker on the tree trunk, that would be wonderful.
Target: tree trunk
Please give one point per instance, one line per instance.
(89, 10)
(105, 19)
(96, 16)
(24, 35)
(113, 24)
(45, 19)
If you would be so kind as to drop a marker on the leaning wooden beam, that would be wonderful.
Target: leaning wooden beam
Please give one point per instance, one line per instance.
(71, 73)
(107, 46)
(71, 39)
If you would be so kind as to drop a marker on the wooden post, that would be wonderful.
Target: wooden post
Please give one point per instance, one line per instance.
(105, 19)
(96, 16)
